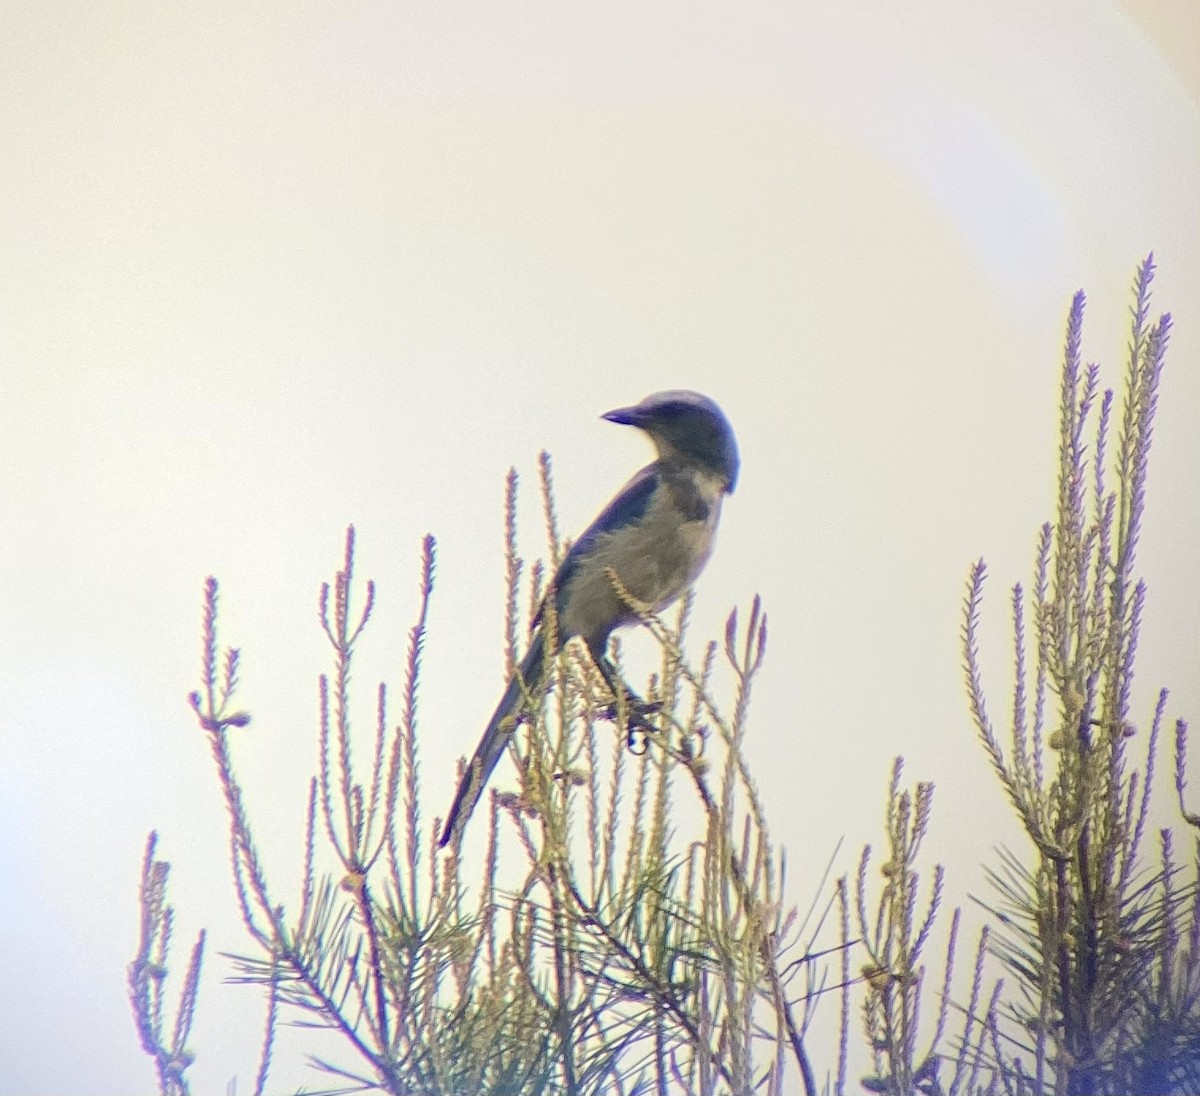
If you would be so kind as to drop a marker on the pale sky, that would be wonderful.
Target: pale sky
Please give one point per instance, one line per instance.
(273, 267)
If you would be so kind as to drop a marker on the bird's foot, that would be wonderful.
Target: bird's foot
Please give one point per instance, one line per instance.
(638, 724)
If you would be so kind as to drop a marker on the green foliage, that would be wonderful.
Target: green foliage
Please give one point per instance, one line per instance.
(607, 948)
(1090, 929)
(148, 973)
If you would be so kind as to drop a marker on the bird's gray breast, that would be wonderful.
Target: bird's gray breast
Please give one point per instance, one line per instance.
(657, 558)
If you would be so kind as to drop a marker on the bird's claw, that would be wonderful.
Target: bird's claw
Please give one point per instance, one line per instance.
(637, 721)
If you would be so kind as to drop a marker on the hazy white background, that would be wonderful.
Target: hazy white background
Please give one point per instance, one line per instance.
(270, 268)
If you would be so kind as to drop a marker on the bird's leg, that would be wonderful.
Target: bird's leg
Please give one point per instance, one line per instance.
(638, 711)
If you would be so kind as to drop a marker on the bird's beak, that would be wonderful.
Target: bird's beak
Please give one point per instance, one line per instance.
(626, 416)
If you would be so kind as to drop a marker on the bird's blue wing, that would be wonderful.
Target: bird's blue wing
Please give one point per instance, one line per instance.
(627, 508)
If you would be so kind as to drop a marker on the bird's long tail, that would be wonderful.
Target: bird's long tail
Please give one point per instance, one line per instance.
(492, 745)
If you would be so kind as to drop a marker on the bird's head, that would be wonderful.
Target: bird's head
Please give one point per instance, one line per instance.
(686, 425)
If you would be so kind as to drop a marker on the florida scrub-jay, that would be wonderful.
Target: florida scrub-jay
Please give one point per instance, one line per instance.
(656, 536)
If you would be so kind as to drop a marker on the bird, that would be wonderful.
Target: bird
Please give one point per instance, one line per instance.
(655, 535)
